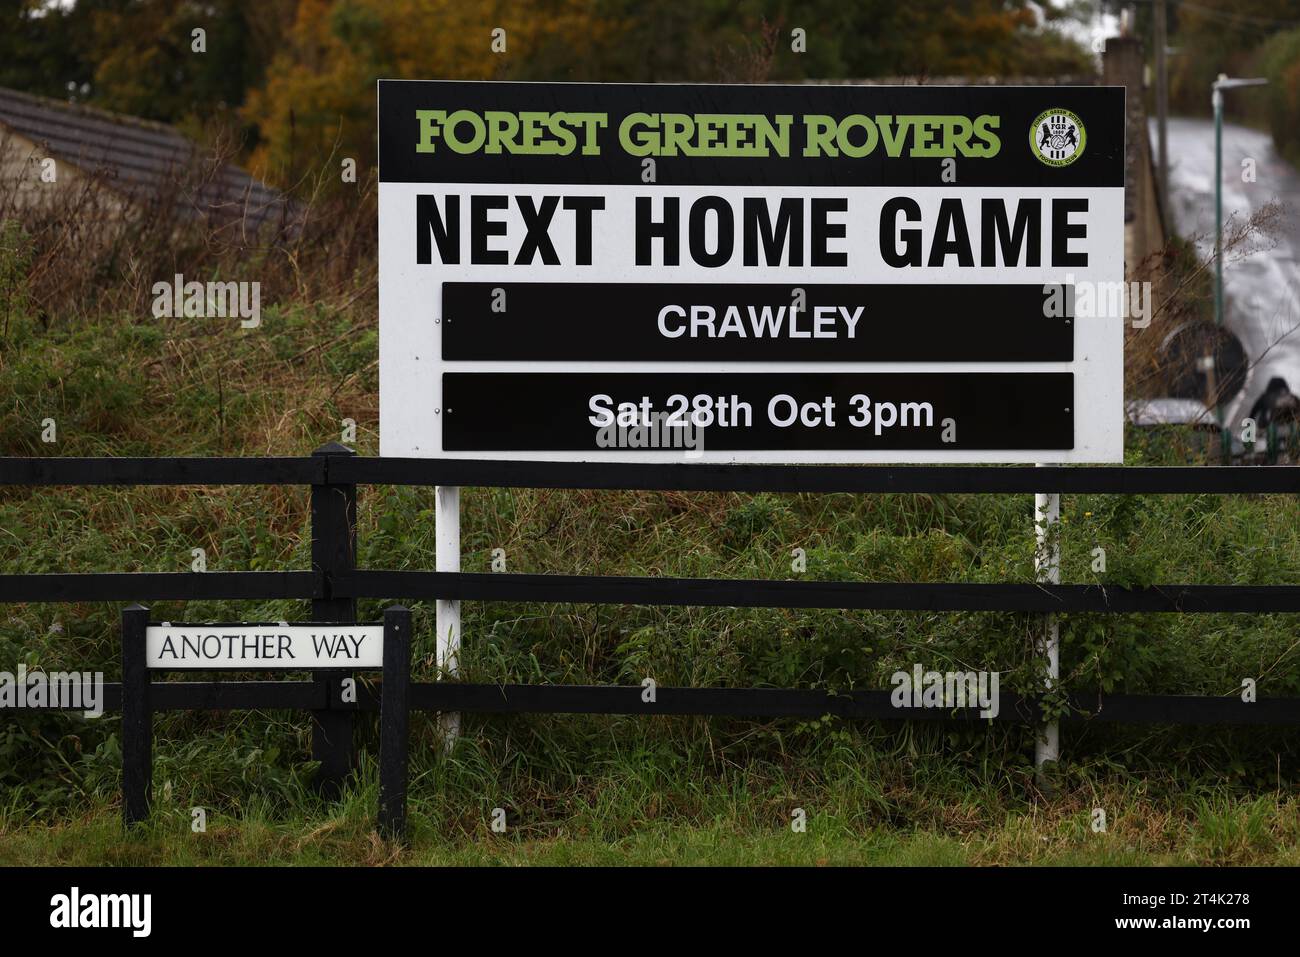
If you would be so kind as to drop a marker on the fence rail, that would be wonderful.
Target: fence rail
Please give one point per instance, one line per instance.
(333, 465)
(485, 698)
(618, 590)
(334, 584)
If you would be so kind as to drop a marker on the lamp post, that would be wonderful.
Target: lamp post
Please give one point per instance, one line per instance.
(1224, 82)
(1162, 106)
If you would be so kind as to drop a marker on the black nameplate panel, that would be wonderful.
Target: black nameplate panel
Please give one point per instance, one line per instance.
(756, 322)
(519, 412)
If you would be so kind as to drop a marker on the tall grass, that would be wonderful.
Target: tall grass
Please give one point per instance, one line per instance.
(81, 346)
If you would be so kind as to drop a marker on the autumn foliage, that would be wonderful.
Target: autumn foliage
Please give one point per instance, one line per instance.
(293, 81)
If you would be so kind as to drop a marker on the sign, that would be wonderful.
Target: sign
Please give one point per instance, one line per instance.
(779, 274)
(254, 647)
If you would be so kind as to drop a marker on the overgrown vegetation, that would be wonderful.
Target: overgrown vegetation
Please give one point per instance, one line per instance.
(81, 346)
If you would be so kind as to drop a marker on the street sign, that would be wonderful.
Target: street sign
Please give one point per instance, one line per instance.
(257, 647)
(780, 274)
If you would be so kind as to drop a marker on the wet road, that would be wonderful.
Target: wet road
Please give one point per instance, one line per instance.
(1261, 290)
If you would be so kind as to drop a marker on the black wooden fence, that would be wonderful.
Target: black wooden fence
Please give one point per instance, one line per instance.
(334, 584)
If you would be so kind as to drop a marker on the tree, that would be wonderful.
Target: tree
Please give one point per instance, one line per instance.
(318, 100)
(38, 49)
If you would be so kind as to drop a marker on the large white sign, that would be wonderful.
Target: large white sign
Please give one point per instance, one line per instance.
(751, 274)
(253, 647)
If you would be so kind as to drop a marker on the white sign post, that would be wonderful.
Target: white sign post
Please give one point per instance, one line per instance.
(1047, 566)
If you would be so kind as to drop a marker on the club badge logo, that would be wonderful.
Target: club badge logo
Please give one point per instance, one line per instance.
(1057, 137)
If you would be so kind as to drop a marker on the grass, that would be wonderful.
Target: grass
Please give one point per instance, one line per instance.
(1214, 830)
(586, 789)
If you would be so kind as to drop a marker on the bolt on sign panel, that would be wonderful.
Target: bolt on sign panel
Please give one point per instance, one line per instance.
(772, 274)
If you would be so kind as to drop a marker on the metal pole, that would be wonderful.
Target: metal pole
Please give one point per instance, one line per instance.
(1217, 100)
(1222, 83)
(1162, 106)
(394, 723)
(1047, 568)
(1225, 439)
(447, 613)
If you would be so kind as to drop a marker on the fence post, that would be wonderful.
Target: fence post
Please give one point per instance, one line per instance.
(394, 723)
(447, 611)
(1047, 565)
(333, 550)
(137, 717)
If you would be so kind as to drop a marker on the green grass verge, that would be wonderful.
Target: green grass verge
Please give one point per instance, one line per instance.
(596, 789)
(1213, 830)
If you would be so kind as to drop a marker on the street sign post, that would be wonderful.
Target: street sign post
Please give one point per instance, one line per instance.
(748, 274)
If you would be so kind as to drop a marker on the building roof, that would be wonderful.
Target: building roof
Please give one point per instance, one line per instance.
(142, 160)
